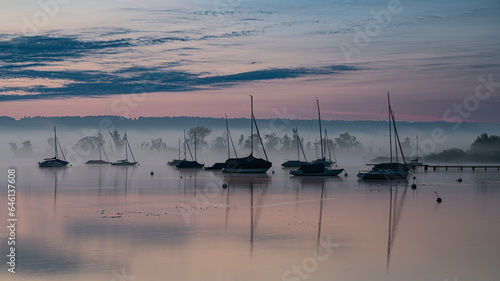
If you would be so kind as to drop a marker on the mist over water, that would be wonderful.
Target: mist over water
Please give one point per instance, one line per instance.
(373, 138)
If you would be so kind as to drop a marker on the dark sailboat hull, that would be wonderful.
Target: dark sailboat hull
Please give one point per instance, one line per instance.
(97, 162)
(123, 163)
(53, 163)
(215, 167)
(293, 163)
(315, 170)
(174, 162)
(387, 171)
(248, 164)
(185, 164)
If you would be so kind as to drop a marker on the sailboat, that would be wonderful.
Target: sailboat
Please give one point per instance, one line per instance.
(298, 162)
(186, 164)
(416, 161)
(318, 167)
(101, 149)
(55, 161)
(249, 164)
(315, 170)
(391, 170)
(322, 160)
(178, 160)
(125, 161)
(220, 165)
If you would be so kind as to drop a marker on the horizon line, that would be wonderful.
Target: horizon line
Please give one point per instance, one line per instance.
(247, 118)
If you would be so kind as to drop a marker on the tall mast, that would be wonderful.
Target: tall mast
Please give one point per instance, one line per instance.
(327, 144)
(320, 133)
(55, 141)
(184, 144)
(99, 137)
(417, 148)
(194, 145)
(316, 148)
(390, 128)
(251, 125)
(102, 147)
(131, 153)
(179, 148)
(297, 141)
(227, 137)
(395, 138)
(126, 146)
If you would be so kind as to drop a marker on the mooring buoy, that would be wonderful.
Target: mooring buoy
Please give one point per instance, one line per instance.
(439, 200)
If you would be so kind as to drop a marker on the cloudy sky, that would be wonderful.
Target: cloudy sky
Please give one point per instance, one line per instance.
(439, 59)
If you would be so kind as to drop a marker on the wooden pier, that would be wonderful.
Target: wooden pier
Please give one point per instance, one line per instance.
(458, 167)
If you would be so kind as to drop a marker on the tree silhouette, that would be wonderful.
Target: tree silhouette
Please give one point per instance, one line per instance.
(118, 141)
(272, 141)
(88, 144)
(347, 142)
(486, 144)
(198, 133)
(220, 143)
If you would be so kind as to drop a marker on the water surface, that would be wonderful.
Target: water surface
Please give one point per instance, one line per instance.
(116, 223)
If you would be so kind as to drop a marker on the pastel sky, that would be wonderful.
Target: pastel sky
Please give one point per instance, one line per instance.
(439, 59)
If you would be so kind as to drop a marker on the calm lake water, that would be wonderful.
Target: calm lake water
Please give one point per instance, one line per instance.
(114, 223)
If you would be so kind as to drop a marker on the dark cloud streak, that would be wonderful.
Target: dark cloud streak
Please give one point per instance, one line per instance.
(93, 83)
(32, 57)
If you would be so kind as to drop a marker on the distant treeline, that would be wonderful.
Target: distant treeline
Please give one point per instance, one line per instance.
(196, 138)
(484, 149)
(106, 123)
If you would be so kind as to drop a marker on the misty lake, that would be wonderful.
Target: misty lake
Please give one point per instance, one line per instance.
(116, 223)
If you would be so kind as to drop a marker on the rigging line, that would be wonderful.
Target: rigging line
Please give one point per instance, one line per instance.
(311, 123)
(397, 136)
(102, 146)
(189, 149)
(230, 138)
(301, 146)
(128, 144)
(60, 148)
(232, 143)
(261, 143)
(377, 129)
(330, 147)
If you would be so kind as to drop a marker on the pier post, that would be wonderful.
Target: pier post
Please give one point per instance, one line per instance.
(473, 168)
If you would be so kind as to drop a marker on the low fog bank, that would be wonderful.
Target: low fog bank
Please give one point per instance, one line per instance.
(156, 140)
